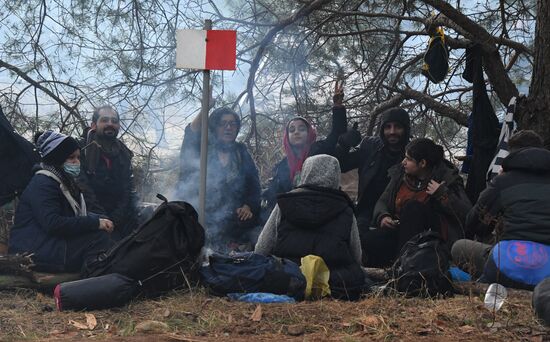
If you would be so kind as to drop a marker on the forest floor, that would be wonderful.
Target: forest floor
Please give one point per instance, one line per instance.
(195, 316)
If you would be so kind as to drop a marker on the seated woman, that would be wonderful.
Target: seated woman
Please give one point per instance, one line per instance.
(232, 187)
(51, 220)
(425, 192)
(299, 143)
(317, 218)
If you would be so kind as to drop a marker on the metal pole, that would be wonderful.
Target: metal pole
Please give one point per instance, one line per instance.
(204, 134)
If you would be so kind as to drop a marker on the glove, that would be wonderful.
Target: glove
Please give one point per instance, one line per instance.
(351, 138)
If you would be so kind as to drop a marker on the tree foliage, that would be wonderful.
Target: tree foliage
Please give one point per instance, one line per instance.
(61, 58)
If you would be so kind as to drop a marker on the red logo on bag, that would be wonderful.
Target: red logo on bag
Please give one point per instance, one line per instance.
(527, 254)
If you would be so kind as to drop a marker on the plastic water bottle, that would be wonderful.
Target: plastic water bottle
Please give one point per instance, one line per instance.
(495, 296)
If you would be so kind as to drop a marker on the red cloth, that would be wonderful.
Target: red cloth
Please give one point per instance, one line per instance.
(107, 161)
(295, 162)
(406, 194)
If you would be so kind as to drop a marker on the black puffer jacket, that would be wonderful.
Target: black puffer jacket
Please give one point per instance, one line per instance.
(316, 221)
(317, 218)
(519, 198)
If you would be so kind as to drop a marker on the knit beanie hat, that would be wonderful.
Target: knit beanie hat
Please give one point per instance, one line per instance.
(55, 147)
(398, 115)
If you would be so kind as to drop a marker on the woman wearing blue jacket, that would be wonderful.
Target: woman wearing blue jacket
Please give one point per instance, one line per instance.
(51, 220)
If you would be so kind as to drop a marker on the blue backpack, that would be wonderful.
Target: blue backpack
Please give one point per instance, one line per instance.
(526, 262)
(249, 272)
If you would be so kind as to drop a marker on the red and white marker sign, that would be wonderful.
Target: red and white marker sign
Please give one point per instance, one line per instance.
(206, 49)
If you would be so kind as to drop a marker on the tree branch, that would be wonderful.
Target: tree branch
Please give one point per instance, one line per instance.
(302, 12)
(449, 112)
(71, 109)
(500, 81)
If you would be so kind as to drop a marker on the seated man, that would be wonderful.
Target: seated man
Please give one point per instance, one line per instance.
(317, 218)
(516, 207)
(107, 171)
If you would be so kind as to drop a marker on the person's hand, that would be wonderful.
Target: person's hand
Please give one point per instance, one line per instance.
(106, 225)
(338, 97)
(433, 186)
(351, 138)
(244, 213)
(388, 222)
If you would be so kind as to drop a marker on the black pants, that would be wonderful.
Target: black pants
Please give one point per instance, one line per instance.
(381, 246)
(84, 248)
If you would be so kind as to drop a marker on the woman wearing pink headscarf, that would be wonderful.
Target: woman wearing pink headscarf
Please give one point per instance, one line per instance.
(299, 142)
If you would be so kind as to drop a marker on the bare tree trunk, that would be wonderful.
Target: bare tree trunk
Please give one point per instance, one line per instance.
(534, 111)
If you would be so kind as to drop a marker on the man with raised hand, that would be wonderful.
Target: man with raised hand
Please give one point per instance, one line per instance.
(374, 156)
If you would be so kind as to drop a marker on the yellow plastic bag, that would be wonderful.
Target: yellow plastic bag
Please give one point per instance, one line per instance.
(317, 274)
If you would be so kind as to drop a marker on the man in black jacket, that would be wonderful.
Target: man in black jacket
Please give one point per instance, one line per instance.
(107, 170)
(373, 158)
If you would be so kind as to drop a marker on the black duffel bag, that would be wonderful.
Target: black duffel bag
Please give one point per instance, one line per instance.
(96, 293)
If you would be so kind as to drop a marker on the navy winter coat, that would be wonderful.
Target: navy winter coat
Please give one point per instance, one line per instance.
(44, 221)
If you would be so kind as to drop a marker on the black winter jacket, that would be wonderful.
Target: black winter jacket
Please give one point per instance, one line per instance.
(315, 221)
(519, 198)
(368, 158)
(113, 187)
(318, 221)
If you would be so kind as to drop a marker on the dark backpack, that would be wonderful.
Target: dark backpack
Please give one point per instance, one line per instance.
(422, 268)
(348, 282)
(164, 248)
(251, 272)
(436, 58)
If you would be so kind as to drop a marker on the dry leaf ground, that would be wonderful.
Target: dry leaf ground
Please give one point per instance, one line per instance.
(194, 316)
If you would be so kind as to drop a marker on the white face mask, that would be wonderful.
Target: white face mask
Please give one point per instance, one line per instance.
(72, 169)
